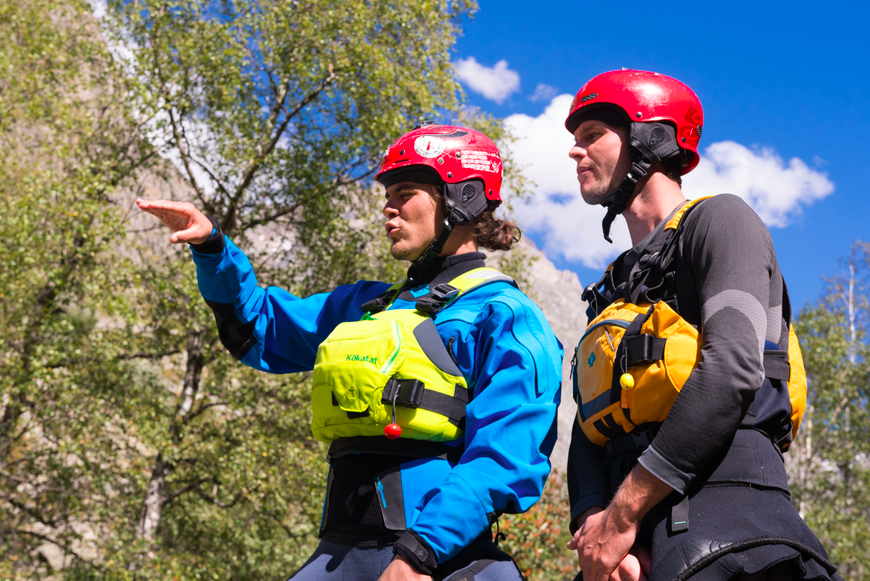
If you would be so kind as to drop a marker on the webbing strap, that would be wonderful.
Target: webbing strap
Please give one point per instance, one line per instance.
(398, 447)
(453, 407)
(776, 365)
(413, 393)
(632, 444)
(680, 516)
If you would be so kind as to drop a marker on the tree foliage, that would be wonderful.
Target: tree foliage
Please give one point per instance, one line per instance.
(830, 460)
(131, 444)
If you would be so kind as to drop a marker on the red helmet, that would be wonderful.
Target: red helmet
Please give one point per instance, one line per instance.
(645, 97)
(444, 154)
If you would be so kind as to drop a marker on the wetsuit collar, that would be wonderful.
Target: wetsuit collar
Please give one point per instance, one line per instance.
(444, 269)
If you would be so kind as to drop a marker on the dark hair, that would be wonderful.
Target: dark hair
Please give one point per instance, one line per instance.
(494, 234)
(673, 168)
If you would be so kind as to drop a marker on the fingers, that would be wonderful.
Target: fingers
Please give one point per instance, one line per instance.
(628, 570)
(191, 235)
(575, 541)
(643, 558)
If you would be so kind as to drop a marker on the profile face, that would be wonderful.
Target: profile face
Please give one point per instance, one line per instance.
(414, 218)
(601, 153)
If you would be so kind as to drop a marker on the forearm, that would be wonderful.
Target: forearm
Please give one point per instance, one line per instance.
(639, 493)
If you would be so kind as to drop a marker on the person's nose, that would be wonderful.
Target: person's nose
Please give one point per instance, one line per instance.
(390, 210)
(576, 152)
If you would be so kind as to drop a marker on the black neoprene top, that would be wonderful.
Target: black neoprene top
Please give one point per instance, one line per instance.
(730, 287)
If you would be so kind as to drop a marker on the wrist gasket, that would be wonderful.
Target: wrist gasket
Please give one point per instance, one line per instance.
(215, 243)
(417, 552)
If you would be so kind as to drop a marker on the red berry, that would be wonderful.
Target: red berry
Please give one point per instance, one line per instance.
(393, 431)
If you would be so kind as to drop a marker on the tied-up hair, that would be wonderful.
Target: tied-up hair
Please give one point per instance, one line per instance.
(495, 234)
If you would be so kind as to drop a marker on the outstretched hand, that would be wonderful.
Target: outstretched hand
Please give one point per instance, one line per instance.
(187, 223)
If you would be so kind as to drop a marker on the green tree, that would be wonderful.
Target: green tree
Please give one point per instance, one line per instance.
(131, 444)
(830, 460)
(64, 149)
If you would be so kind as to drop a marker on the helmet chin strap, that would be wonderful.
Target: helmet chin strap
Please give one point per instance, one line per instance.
(430, 255)
(462, 203)
(650, 143)
(617, 202)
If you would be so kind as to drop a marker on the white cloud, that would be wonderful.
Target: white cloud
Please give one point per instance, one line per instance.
(495, 83)
(775, 190)
(571, 229)
(543, 93)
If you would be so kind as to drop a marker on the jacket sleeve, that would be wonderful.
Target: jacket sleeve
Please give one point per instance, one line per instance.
(515, 362)
(588, 482)
(730, 252)
(268, 328)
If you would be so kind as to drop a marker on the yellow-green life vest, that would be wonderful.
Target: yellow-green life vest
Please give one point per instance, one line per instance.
(394, 360)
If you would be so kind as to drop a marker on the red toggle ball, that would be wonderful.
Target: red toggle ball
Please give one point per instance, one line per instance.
(393, 431)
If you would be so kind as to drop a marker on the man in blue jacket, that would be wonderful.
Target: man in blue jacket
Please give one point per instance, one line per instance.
(438, 395)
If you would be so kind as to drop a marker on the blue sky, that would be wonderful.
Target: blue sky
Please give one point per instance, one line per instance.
(785, 93)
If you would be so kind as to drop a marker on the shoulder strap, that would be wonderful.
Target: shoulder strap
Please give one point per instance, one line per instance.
(599, 295)
(383, 300)
(444, 294)
(661, 264)
(675, 220)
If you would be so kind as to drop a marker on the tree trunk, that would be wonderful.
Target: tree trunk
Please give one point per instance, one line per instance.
(158, 493)
(155, 499)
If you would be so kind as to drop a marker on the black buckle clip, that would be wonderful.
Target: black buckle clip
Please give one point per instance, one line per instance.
(639, 350)
(404, 392)
(438, 297)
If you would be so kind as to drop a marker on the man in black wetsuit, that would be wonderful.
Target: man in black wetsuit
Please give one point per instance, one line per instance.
(715, 461)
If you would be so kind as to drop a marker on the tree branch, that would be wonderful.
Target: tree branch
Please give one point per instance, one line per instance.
(270, 139)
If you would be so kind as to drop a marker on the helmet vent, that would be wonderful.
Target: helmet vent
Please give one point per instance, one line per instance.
(656, 137)
(467, 193)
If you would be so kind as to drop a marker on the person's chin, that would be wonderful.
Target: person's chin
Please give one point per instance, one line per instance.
(400, 251)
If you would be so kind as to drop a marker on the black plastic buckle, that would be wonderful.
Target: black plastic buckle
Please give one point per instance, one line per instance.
(639, 350)
(438, 297)
(406, 392)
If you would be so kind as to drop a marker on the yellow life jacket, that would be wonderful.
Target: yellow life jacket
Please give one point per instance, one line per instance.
(392, 367)
(637, 354)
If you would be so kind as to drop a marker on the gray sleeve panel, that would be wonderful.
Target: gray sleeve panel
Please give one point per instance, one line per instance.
(774, 323)
(745, 304)
(729, 252)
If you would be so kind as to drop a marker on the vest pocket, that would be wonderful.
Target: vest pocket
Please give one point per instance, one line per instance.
(356, 361)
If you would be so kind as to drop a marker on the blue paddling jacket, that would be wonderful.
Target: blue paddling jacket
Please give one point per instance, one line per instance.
(502, 344)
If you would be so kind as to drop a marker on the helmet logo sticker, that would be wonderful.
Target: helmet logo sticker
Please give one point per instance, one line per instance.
(588, 97)
(480, 161)
(429, 146)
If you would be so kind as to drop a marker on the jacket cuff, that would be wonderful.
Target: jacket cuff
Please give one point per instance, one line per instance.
(417, 552)
(215, 243)
(587, 502)
(659, 467)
